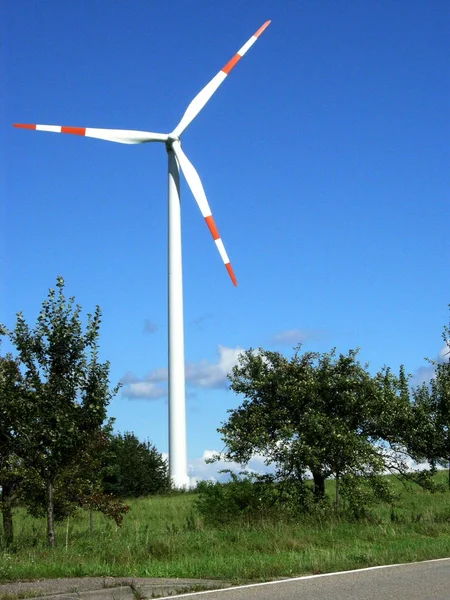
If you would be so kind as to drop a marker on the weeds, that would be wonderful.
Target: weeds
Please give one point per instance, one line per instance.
(166, 537)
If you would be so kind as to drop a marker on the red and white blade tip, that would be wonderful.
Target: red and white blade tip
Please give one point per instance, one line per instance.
(121, 136)
(218, 240)
(263, 28)
(231, 274)
(54, 128)
(240, 53)
(196, 186)
(210, 88)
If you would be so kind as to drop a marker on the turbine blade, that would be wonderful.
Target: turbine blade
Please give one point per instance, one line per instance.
(198, 192)
(205, 94)
(121, 136)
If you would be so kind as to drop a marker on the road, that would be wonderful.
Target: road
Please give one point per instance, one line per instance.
(429, 580)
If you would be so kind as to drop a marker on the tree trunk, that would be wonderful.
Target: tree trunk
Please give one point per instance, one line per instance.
(7, 513)
(319, 485)
(50, 515)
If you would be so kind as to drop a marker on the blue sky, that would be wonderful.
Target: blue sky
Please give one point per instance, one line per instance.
(324, 156)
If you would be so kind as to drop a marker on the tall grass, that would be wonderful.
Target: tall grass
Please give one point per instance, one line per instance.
(165, 537)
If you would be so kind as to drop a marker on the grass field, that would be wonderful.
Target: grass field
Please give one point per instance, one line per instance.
(165, 537)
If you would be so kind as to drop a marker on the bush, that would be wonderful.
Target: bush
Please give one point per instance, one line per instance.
(244, 498)
(250, 497)
(360, 494)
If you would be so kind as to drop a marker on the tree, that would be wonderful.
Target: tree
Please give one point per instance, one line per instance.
(79, 484)
(313, 412)
(430, 439)
(12, 399)
(67, 386)
(133, 468)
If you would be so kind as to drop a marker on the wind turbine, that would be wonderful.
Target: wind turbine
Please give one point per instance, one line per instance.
(177, 160)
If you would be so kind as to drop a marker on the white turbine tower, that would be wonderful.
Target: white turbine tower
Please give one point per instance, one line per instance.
(177, 160)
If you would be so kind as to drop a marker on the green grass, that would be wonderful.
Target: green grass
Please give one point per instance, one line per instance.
(164, 537)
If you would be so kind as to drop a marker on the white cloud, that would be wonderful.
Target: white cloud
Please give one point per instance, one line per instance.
(291, 337)
(158, 375)
(426, 372)
(128, 378)
(145, 389)
(401, 457)
(422, 375)
(203, 374)
(199, 470)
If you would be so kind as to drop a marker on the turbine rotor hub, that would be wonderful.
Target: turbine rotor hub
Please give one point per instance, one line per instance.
(171, 139)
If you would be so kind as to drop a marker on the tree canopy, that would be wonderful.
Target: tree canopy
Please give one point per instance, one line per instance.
(13, 399)
(67, 388)
(318, 413)
(431, 413)
(133, 468)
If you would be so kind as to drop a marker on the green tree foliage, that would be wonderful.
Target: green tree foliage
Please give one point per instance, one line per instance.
(78, 485)
(430, 439)
(251, 498)
(246, 497)
(133, 468)
(320, 413)
(12, 400)
(67, 389)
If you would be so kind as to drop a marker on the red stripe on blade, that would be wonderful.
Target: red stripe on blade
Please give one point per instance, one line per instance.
(232, 63)
(24, 126)
(231, 273)
(212, 227)
(74, 130)
(262, 28)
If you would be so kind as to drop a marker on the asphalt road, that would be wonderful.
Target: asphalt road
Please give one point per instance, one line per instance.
(428, 580)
